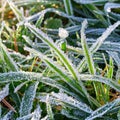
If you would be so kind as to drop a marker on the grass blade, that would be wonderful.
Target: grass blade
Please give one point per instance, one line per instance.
(73, 102)
(27, 100)
(99, 42)
(60, 71)
(68, 7)
(53, 46)
(49, 109)
(102, 110)
(89, 1)
(97, 78)
(87, 53)
(17, 12)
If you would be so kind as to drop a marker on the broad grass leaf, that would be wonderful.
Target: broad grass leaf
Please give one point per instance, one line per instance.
(19, 76)
(73, 102)
(27, 100)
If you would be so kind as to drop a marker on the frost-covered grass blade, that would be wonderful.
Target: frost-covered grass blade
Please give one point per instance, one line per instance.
(27, 100)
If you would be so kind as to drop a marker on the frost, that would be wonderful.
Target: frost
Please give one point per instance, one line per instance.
(97, 78)
(101, 39)
(43, 96)
(63, 33)
(36, 16)
(4, 92)
(102, 110)
(18, 76)
(87, 53)
(71, 101)
(99, 42)
(115, 56)
(109, 6)
(27, 100)
(64, 58)
(49, 108)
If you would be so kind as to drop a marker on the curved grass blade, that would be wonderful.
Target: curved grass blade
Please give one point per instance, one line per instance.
(115, 56)
(108, 6)
(29, 76)
(36, 16)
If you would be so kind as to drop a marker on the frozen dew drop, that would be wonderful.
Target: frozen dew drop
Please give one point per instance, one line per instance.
(63, 33)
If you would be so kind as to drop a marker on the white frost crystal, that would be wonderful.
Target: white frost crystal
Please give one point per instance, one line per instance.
(63, 33)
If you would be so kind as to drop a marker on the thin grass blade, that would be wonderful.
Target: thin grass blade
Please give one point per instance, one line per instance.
(68, 7)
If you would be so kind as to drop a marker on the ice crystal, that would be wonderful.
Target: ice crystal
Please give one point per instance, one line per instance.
(63, 33)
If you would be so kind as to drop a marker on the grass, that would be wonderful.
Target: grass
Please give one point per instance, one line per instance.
(59, 60)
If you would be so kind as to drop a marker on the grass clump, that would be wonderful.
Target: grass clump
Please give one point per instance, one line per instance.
(59, 60)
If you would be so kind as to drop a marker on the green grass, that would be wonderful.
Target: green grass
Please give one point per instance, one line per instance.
(60, 60)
